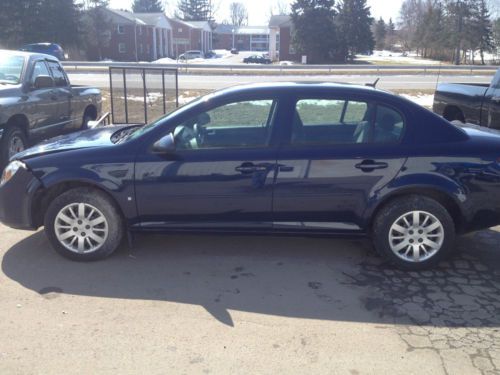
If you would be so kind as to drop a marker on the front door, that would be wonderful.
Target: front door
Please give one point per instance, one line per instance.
(341, 151)
(221, 173)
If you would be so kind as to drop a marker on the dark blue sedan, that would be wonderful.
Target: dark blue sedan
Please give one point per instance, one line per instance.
(285, 158)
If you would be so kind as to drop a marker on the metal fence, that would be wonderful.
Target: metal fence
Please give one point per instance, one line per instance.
(139, 94)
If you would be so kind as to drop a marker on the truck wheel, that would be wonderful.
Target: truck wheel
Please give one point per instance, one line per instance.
(87, 116)
(13, 141)
(83, 224)
(413, 232)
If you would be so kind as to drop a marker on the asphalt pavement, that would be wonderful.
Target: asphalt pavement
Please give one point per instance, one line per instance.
(247, 305)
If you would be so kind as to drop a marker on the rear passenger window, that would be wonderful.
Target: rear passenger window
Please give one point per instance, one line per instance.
(331, 121)
(389, 125)
(57, 74)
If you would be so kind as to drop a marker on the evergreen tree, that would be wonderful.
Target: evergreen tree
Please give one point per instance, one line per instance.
(96, 28)
(380, 33)
(484, 30)
(195, 10)
(354, 22)
(390, 38)
(314, 30)
(147, 6)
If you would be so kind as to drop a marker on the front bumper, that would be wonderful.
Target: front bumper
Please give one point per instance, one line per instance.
(16, 198)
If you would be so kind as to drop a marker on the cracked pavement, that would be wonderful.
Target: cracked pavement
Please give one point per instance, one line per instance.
(241, 304)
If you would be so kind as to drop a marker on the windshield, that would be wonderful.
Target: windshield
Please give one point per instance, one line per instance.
(11, 68)
(148, 127)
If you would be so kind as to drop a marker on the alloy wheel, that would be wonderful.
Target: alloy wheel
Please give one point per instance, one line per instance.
(416, 236)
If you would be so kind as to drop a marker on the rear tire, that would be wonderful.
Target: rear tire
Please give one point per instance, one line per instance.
(414, 232)
(13, 141)
(83, 224)
(87, 116)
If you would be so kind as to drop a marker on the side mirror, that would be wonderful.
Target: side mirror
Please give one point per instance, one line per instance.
(43, 82)
(165, 145)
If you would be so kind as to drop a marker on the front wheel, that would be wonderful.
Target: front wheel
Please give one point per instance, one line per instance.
(414, 232)
(83, 224)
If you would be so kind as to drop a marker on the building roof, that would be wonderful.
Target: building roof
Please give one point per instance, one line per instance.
(204, 25)
(242, 30)
(281, 20)
(145, 19)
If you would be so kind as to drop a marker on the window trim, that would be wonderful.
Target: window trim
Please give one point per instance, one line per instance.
(120, 27)
(31, 82)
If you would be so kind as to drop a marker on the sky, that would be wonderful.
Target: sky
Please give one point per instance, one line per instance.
(259, 10)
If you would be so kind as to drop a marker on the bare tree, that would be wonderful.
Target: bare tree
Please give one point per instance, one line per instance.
(238, 13)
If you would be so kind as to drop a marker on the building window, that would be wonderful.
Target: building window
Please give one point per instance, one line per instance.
(141, 48)
(179, 30)
(122, 48)
(120, 29)
(140, 30)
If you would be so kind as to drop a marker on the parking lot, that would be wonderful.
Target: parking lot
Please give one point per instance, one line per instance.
(207, 304)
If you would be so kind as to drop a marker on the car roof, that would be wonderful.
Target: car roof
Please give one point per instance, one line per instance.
(28, 55)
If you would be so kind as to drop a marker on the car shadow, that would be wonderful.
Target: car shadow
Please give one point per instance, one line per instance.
(312, 278)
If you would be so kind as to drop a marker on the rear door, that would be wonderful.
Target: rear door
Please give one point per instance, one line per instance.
(341, 151)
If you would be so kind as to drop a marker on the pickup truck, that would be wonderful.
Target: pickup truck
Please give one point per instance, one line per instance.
(37, 101)
(470, 103)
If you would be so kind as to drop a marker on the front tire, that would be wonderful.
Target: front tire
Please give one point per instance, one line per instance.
(414, 232)
(83, 224)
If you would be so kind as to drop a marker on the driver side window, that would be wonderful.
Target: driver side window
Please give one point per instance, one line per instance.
(234, 125)
(39, 69)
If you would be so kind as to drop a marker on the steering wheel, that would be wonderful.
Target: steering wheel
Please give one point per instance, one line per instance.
(199, 127)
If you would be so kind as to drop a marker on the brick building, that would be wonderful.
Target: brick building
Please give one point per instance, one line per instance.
(280, 39)
(137, 37)
(243, 38)
(192, 35)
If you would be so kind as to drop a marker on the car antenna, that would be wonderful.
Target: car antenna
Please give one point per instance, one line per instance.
(374, 84)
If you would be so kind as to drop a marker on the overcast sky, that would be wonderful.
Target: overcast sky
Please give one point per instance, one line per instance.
(259, 10)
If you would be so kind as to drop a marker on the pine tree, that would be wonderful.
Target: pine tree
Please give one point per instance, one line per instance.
(95, 27)
(314, 32)
(380, 33)
(195, 10)
(147, 6)
(484, 29)
(390, 38)
(354, 21)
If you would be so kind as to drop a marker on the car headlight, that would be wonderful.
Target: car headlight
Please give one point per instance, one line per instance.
(11, 170)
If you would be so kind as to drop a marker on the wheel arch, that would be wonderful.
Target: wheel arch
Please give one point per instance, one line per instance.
(444, 198)
(19, 120)
(452, 112)
(45, 195)
(90, 109)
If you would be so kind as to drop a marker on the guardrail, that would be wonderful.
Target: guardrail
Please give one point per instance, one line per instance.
(194, 67)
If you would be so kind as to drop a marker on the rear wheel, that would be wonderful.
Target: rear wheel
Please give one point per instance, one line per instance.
(83, 224)
(414, 232)
(13, 141)
(87, 116)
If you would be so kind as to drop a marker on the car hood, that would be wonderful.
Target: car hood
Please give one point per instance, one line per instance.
(97, 137)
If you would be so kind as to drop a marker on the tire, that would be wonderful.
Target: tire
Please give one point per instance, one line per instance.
(87, 116)
(434, 237)
(91, 241)
(11, 134)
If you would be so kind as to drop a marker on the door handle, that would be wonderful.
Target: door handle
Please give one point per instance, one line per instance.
(247, 168)
(285, 168)
(371, 165)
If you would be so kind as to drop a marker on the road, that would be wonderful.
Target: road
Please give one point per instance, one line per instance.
(266, 305)
(206, 82)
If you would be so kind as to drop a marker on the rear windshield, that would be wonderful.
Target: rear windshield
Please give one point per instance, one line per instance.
(11, 68)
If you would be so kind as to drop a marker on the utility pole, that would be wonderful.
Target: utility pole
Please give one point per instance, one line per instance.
(458, 49)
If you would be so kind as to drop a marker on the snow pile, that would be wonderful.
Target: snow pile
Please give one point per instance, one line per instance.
(398, 58)
(425, 100)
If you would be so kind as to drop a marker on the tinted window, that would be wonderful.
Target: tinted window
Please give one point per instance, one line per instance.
(234, 125)
(389, 125)
(57, 74)
(39, 69)
(330, 121)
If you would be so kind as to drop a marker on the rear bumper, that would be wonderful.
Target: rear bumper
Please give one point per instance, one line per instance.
(16, 198)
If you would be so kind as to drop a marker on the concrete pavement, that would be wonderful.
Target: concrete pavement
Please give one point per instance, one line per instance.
(269, 305)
